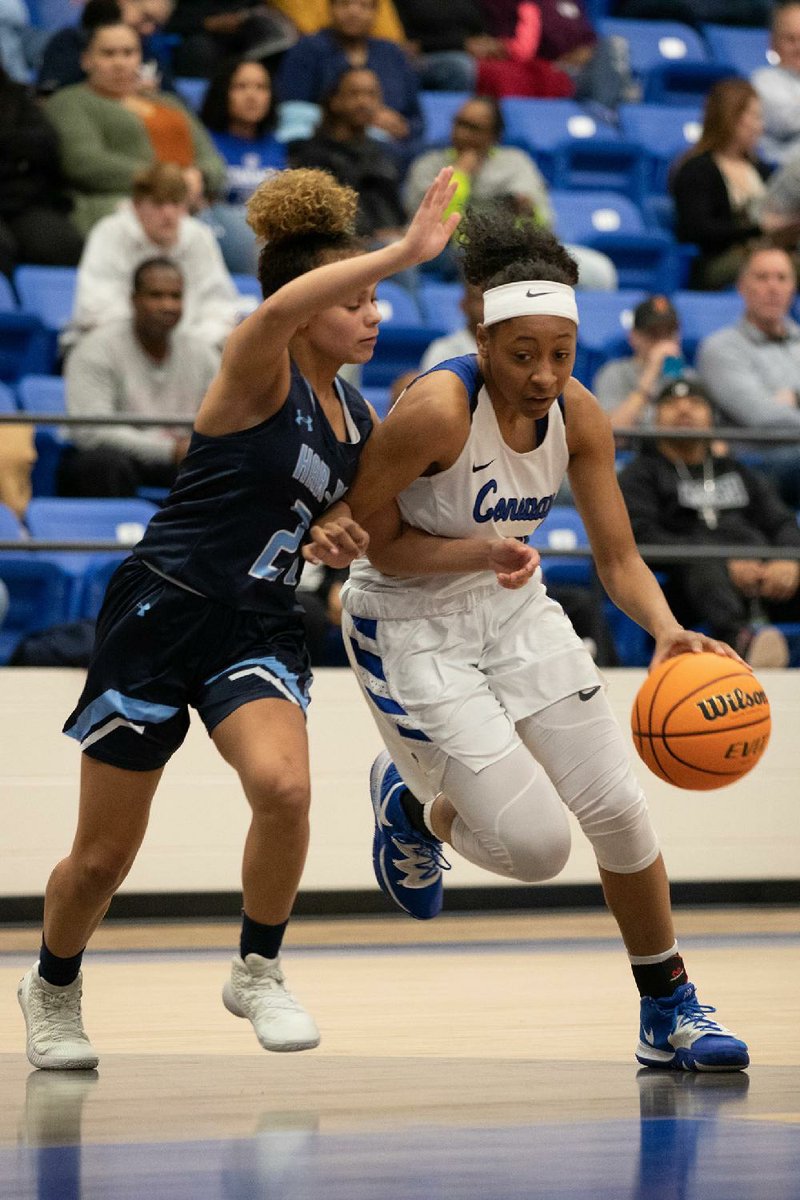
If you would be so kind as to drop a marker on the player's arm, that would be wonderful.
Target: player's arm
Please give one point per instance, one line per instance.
(400, 550)
(425, 431)
(625, 576)
(255, 362)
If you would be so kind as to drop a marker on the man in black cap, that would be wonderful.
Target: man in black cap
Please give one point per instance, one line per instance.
(679, 493)
(625, 387)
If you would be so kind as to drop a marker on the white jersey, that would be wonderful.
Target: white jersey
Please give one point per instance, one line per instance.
(490, 491)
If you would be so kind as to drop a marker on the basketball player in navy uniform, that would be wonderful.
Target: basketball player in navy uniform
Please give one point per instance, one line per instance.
(203, 614)
(491, 709)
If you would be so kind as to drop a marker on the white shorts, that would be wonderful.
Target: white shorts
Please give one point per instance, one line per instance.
(455, 686)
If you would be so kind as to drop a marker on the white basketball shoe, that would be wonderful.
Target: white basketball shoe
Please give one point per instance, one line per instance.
(57, 1040)
(257, 990)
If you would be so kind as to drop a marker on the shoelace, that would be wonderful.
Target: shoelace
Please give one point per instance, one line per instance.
(692, 1012)
(427, 852)
(63, 1017)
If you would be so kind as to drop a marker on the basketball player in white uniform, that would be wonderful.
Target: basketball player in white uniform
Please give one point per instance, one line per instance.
(491, 709)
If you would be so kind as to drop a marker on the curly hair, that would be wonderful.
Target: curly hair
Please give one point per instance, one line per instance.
(500, 246)
(305, 218)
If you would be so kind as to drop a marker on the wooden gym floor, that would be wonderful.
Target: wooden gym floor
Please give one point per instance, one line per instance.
(473, 1058)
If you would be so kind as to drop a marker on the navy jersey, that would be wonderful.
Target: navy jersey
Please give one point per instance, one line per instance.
(233, 523)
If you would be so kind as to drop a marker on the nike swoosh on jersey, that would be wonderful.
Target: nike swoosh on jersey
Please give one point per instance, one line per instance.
(482, 466)
(588, 693)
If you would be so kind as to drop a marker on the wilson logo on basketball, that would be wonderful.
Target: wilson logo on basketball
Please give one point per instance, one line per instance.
(723, 703)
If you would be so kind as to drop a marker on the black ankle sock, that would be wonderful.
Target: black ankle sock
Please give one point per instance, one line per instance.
(59, 971)
(413, 810)
(260, 939)
(660, 979)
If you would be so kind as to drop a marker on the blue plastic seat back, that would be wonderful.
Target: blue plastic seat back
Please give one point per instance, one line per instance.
(743, 49)
(702, 313)
(191, 91)
(438, 110)
(60, 519)
(42, 394)
(563, 529)
(48, 293)
(441, 305)
(7, 402)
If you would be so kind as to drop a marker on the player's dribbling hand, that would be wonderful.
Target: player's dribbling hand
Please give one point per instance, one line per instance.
(336, 539)
(513, 562)
(429, 231)
(688, 641)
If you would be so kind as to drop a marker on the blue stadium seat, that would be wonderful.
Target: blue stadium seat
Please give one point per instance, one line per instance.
(745, 50)
(397, 304)
(441, 305)
(191, 91)
(247, 285)
(7, 402)
(11, 528)
(40, 594)
(42, 394)
(8, 301)
(702, 313)
(612, 223)
(606, 319)
(53, 14)
(438, 110)
(572, 148)
(663, 134)
(402, 338)
(45, 394)
(670, 59)
(63, 520)
(25, 345)
(48, 293)
(563, 529)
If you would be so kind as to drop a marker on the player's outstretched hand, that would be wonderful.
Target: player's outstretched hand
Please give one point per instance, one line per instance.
(513, 562)
(336, 539)
(429, 230)
(688, 641)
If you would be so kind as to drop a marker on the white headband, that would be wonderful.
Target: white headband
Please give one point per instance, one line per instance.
(532, 298)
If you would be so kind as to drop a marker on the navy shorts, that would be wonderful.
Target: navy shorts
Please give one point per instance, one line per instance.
(160, 649)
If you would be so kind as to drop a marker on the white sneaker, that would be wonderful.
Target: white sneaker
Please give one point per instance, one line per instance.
(256, 990)
(57, 1040)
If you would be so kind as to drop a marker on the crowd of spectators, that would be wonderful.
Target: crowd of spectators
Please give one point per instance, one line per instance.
(105, 167)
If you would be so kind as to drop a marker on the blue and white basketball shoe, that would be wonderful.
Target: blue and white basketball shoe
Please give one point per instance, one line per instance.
(408, 865)
(677, 1034)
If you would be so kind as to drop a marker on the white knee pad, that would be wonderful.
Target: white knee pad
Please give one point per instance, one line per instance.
(588, 762)
(510, 818)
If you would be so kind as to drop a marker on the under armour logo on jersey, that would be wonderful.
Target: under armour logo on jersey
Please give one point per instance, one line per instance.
(301, 419)
(141, 609)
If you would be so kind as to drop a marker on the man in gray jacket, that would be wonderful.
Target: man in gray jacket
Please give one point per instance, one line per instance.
(136, 366)
(752, 368)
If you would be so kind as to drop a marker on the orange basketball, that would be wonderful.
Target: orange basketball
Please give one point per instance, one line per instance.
(700, 721)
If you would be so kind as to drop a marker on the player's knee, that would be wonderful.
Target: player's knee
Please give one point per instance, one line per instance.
(101, 874)
(278, 793)
(542, 855)
(618, 826)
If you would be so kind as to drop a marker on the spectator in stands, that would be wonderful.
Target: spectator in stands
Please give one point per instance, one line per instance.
(626, 387)
(779, 211)
(154, 223)
(212, 30)
(487, 172)
(456, 51)
(314, 63)
(108, 131)
(309, 16)
(141, 365)
(461, 341)
(563, 35)
(34, 207)
(719, 183)
(678, 493)
(752, 368)
(343, 147)
(61, 64)
(238, 111)
(779, 85)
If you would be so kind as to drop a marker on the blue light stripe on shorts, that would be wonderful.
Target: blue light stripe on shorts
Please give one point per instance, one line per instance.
(111, 702)
(272, 666)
